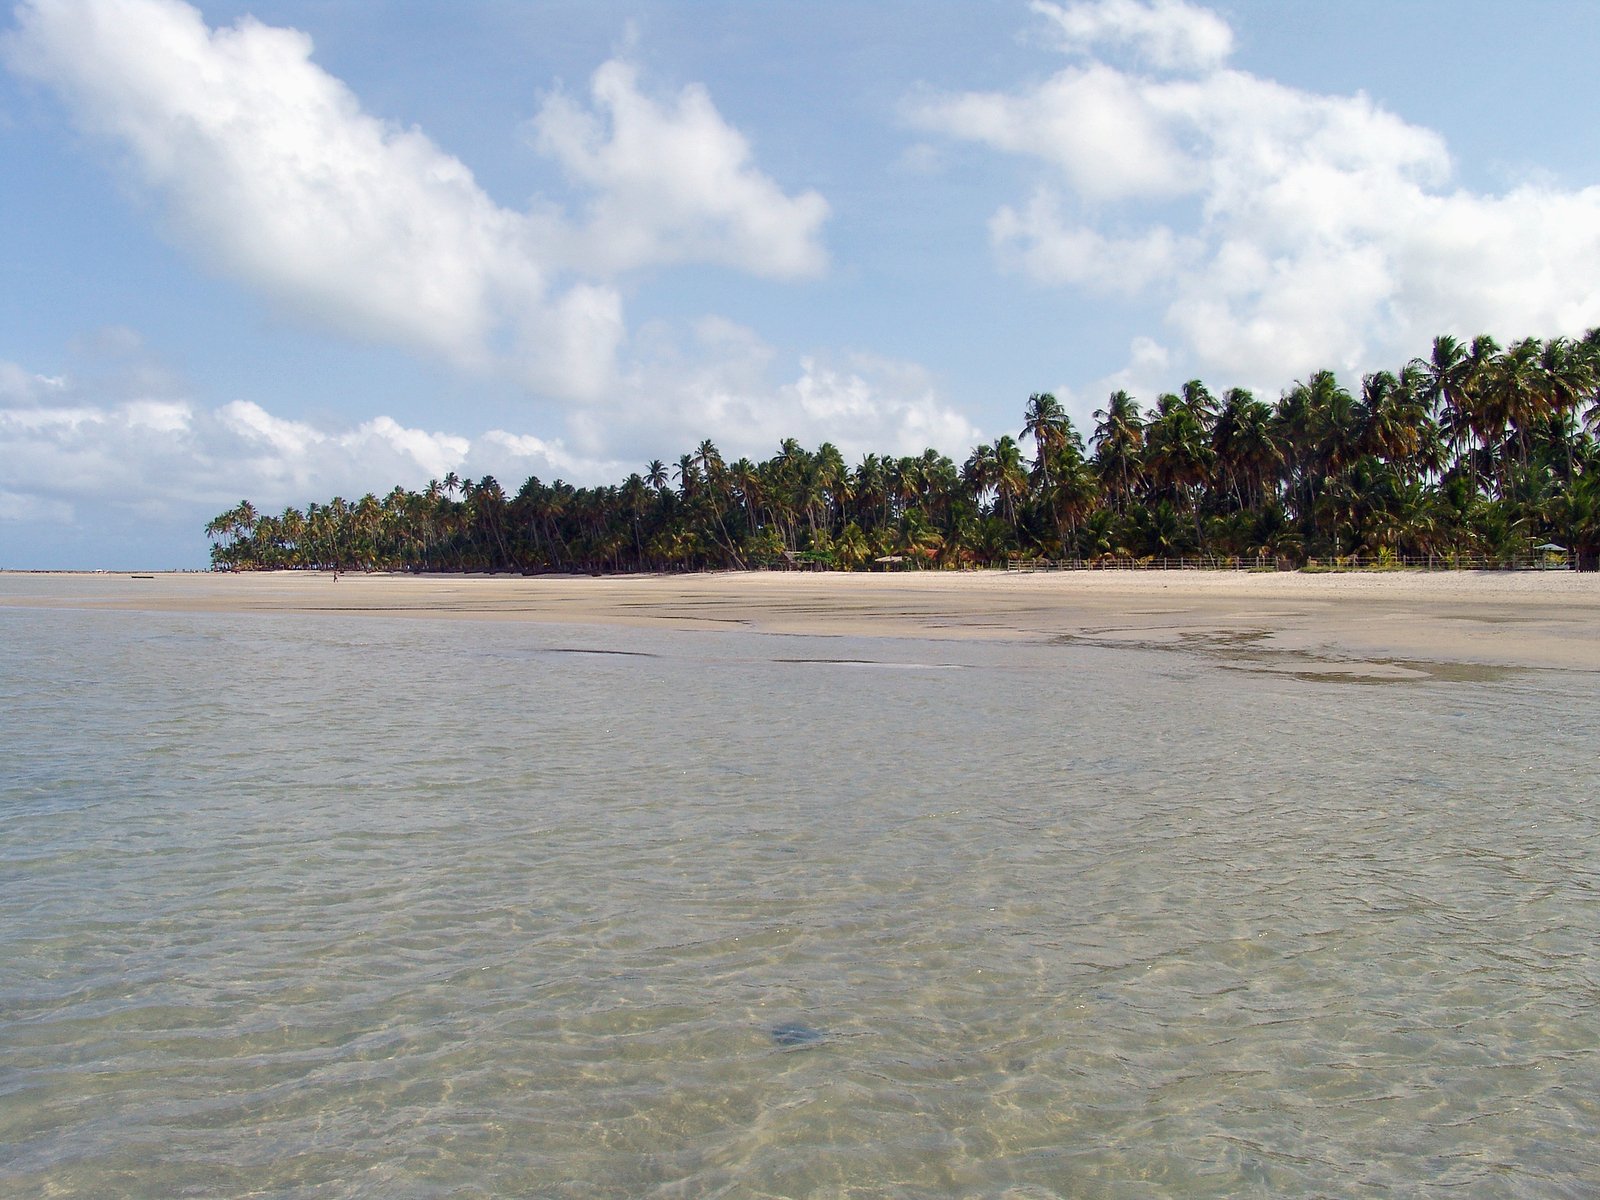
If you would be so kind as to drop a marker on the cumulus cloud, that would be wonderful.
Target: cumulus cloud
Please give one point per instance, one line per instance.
(1147, 372)
(130, 479)
(100, 457)
(270, 172)
(1038, 241)
(673, 182)
(1285, 230)
(726, 382)
(293, 458)
(78, 452)
(60, 450)
(1167, 34)
(1098, 127)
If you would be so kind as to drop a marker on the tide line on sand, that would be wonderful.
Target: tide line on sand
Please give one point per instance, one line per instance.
(1501, 619)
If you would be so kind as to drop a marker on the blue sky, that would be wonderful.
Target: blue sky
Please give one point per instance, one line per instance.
(283, 251)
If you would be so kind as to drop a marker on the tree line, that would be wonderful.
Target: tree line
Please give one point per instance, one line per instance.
(1476, 449)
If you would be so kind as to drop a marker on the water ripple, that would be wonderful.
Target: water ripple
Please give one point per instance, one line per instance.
(314, 910)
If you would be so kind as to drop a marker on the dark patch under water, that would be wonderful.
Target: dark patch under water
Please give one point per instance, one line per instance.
(591, 650)
(792, 1034)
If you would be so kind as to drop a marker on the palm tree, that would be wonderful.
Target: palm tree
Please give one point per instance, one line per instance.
(487, 504)
(1564, 377)
(979, 473)
(1073, 494)
(1470, 448)
(1508, 402)
(1199, 401)
(748, 491)
(1391, 419)
(1480, 367)
(870, 492)
(234, 533)
(1448, 376)
(709, 460)
(1010, 477)
(1575, 515)
(1045, 421)
(851, 548)
(1242, 446)
(1118, 446)
(1315, 425)
(1178, 454)
(688, 477)
(832, 479)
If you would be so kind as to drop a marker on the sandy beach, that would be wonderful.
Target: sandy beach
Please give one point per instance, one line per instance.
(1382, 625)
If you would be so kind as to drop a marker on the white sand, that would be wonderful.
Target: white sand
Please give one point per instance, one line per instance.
(1369, 624)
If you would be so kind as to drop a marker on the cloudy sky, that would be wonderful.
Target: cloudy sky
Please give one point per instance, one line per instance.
(297, 248)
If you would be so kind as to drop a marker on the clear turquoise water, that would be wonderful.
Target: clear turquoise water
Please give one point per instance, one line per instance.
(347, 907)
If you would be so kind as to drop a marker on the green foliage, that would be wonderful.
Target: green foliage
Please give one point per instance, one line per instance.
(1473, 452)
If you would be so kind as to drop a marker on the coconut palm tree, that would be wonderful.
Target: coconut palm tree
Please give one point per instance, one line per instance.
(870, 493)
(1244, 452)
(1178, 455)
(1392, 419)
(832, 481)
(1575, 516)
(979, 473)
(1010, 478)
(1118, 447)
(1564, 377)
(1473, 447)
(1045, 421)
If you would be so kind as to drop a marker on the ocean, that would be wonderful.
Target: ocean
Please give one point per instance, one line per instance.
(344, 906)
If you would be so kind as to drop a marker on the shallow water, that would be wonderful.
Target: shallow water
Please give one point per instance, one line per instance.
(338, 907)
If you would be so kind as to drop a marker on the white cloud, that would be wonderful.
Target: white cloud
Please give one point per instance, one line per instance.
(870, 404)
(513, 457)
(293, 462)
(1147, 373)
(296, 461)
(674, 183)
(1284, 230)
(286, 440)
(1168, 34)
(726, 383)
(17, 384)
(58, 457)
(98, 459)
(1039, 242)
(270, 173)
(1107, 133)
(158, 416)
(571, 350)
(74, 454)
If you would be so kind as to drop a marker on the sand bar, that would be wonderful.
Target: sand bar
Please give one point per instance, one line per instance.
(1370, 625)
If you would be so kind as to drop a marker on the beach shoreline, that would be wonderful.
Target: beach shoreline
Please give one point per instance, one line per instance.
(1380, 624)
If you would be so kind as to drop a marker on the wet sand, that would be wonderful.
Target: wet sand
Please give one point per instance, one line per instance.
(1365, 626)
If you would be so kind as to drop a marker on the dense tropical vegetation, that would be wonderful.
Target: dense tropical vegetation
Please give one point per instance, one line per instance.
(1476, 450)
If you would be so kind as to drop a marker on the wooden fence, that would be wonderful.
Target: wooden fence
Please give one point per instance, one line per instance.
(1355, 562)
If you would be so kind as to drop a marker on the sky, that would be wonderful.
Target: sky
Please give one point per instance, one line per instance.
(283, 251)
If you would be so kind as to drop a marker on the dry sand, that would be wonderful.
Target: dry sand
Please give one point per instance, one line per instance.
(1386, 625)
